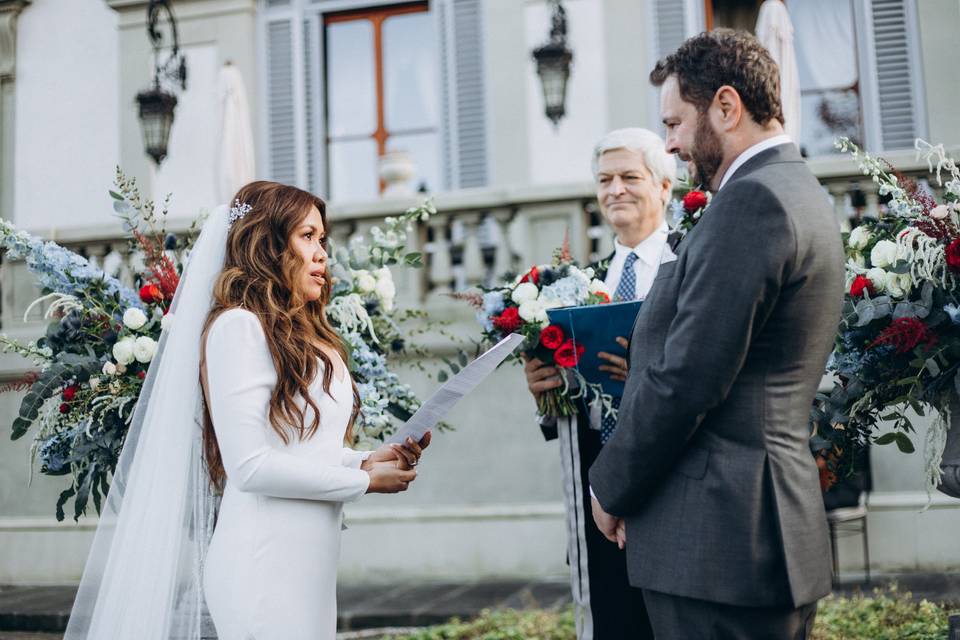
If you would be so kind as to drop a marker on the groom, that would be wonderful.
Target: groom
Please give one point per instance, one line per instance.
(709, 468)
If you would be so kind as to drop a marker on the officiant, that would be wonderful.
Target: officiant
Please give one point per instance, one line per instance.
(634, 177)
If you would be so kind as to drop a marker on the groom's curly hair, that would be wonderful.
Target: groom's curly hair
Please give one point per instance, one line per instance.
(712, 59)
(260, 272)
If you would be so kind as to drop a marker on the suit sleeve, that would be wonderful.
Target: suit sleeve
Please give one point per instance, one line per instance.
(733, 276)
(240, 378)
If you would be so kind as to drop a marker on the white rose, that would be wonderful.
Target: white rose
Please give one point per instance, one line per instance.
(365, 282)
(898, 284)
(859, 238)
(533, 311)
(123, 351)
(879, 279)
(166, 322)
(144, 349)
(386, 290)
(109, 369)
(940, 212)
(525, 292)
(95, 381)
(134, 318)
(884, 253)
(857, 260)
(383, 273)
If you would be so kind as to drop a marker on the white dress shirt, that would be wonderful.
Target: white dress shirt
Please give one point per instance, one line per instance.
(748, 153)
(651, 253)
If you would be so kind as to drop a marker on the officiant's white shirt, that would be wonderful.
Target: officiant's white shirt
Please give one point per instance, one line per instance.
(651, 253)
(749, 152)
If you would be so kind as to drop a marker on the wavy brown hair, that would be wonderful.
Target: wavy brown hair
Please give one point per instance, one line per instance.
(260, 272)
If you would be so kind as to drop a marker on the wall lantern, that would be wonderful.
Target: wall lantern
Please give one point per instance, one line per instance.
(553, 65)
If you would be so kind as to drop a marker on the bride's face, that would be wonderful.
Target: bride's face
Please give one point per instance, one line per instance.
(308, 242)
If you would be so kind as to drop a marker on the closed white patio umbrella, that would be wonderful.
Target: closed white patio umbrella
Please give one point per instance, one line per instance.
(235, 159)
(775, 32)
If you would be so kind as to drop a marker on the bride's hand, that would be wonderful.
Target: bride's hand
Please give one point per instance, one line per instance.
(387, 477)
(405, 456)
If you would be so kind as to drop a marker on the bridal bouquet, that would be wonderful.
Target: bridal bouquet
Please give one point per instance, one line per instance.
(102, 336)
(521, 307)
(898, 345)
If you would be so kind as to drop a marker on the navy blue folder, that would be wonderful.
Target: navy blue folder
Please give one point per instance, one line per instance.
(596, 327)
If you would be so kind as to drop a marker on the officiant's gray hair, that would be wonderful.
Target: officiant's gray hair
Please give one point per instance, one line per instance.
(661, 164)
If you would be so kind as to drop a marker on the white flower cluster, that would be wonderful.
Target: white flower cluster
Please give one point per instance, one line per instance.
(571, 290)
(884, 255)
(378, 282)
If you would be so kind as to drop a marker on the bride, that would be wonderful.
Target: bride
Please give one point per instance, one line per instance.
(250, 397)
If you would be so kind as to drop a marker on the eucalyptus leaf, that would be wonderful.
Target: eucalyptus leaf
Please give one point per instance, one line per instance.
(442, 376)
(886, 438)
(904, 443)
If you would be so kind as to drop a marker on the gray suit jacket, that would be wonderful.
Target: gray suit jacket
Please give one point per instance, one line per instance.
(709, 463)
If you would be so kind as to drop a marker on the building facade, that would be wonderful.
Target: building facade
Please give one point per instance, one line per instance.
(447, 89)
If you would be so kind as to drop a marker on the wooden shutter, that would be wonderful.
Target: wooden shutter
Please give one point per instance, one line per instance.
(670, 24)
(464, 116)
(281, 127)
(899, 111)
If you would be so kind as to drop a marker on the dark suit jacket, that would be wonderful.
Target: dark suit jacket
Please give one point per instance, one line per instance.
(709, 463)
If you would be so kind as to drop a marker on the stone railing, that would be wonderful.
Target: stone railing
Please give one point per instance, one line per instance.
(477, 236)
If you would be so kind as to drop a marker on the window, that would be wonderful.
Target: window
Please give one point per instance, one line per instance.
(381, 96)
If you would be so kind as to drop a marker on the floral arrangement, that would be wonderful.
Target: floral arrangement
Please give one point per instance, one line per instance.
(688, 209)
(521, 307)
(102, 336)
(898, 345)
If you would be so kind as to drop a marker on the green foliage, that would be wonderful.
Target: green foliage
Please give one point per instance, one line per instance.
(888, 615)
(506, 624)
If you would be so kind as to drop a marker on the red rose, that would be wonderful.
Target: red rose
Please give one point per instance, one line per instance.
(64, 408)
(551, 337)
(532, 276)
(602, 295)
(694, 200)
(953, 255)
(141, 374)
(69, 393)
(151, 293)
(508, 321)
(568, 355)
(861, 284)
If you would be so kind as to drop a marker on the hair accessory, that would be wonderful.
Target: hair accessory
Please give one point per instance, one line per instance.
(237, 211)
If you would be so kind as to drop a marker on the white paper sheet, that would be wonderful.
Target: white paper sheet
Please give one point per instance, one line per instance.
(439, 404)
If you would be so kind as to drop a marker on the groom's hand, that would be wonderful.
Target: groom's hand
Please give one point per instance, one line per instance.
(618, 364)
(610, 526)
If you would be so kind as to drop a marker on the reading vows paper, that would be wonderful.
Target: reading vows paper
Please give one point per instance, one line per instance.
(439, 404)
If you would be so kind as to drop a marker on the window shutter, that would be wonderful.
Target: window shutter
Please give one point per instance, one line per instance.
(897, 80)
(280, 102)
(310, 95)
(670, 22)
(464, 118)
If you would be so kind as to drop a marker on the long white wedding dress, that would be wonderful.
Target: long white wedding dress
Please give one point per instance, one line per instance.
(271, 569)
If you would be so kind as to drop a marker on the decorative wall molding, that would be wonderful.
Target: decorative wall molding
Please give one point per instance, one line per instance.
(9, 10)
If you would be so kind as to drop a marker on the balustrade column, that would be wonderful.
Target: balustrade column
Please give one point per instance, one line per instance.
(441, 264)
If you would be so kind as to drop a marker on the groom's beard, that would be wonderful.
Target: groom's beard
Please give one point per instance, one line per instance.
(707, 153)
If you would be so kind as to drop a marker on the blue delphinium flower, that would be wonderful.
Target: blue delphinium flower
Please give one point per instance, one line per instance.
(676, 212)
(492, 305)
(59, 269)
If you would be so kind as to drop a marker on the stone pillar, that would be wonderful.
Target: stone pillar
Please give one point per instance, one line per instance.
(9, 10)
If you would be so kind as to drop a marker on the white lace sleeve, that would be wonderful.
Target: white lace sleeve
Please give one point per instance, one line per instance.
(241, 377)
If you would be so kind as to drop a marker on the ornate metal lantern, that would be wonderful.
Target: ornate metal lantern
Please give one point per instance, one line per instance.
(553, 65)
(156, 103)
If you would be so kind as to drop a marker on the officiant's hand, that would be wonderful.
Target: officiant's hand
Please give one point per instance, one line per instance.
(541, 377)
(609, 525)
(618, 364)
(387, 477)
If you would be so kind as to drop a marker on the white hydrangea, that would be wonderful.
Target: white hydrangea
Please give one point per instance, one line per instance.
(134, 318)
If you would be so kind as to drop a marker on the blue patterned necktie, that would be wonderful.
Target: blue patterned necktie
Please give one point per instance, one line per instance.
(626, 290)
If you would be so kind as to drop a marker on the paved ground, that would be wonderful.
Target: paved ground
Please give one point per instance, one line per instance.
(40, 613)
